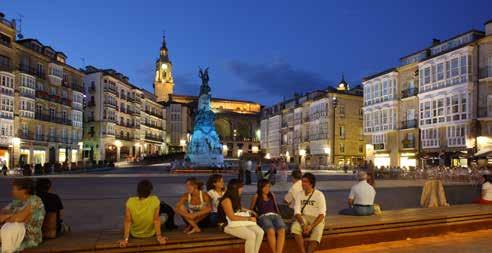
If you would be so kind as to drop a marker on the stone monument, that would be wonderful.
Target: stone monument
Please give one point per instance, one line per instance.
(204, 149)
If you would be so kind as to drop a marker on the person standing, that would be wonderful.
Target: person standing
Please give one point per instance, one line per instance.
(310, 212)
(240, 222)
(259, 173)
(4, 169)
(361, 198)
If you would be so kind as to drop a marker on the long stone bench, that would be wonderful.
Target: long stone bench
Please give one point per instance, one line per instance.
(340, 231)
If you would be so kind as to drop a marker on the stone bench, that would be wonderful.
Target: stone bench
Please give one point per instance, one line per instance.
(340, 231)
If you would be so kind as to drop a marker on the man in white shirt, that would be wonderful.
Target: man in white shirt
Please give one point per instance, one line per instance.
(361, 198)
(309, 211)
(294, 189)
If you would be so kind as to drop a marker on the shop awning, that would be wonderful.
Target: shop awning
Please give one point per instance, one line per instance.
(484, 153)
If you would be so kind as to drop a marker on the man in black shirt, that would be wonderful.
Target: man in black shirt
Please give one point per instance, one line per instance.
(52, 203)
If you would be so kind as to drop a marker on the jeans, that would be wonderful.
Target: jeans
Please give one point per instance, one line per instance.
(213, 219)
(271, 221)
(358, 211)
(252, 234)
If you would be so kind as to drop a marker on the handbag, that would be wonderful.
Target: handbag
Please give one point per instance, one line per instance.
(240, 223)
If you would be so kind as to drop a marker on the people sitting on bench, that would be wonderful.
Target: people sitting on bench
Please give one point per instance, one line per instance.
(53, 222)
(310, 212)
(194, 206)
(215, 189)
(239, 222)
(293, 191)
(361, 198)
(142, 215)
(166, 213)
(486, 196)
(265, 205)
(22, 219)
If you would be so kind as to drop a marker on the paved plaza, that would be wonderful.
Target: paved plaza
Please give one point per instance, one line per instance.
(470, 242)
(96, 201)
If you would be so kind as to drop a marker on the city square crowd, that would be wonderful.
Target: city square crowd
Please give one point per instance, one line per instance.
(36, 213)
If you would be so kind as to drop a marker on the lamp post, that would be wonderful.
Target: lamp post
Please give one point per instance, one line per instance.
(334, 103)
(11, 158)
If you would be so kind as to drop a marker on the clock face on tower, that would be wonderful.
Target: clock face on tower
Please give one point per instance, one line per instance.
(164, 66)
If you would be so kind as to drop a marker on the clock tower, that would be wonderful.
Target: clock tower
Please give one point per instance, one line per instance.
(163, 82)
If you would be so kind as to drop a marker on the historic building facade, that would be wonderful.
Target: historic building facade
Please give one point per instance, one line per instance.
(320, 129)
(41, 102)
(122, 121)
(432, 109)
(484, 107)
(237, 121)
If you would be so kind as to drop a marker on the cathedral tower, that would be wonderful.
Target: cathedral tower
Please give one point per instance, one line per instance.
(163, 82)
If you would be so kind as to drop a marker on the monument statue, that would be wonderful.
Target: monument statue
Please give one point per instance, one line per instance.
(204, 149)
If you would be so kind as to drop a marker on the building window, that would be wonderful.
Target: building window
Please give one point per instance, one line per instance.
(342, 148)
(456, 135)
(489, 106)
(430, 138)
(341, 110)
(342, 132)
(361, 148)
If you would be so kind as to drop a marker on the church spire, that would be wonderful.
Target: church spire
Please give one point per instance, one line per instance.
(163, 82)
(343, 85)
(164, 45)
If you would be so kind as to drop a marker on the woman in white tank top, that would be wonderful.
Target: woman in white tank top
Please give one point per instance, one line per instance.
(194, 206)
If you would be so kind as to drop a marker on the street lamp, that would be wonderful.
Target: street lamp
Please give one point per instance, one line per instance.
(334, 103)
(11, 158)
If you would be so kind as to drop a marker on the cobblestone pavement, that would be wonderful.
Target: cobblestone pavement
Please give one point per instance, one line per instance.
(470, 242)
(97, 201)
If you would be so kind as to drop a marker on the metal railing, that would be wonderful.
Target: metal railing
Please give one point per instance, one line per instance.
(409, 124)
(408, 143)
(152, 126)
(6, 67)
(153, 137)
(32, 71)
(52, 118)
(409, 92)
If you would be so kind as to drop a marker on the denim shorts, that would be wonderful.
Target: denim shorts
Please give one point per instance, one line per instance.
(271, 221)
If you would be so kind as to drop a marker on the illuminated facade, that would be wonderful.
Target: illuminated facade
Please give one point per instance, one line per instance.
(41, 102)
(434, 107)
(305, 129)
(236, 122)
(122, 121)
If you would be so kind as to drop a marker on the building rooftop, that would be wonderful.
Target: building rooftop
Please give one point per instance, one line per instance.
(379, 74)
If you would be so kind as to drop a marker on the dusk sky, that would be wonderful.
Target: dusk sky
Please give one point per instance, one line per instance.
(256, 50)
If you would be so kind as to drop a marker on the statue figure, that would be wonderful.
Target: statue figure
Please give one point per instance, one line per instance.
(205, 149)
(203, 74)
